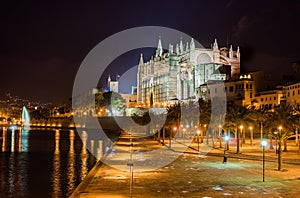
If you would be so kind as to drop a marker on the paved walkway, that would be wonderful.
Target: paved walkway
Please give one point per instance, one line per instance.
(159, 171)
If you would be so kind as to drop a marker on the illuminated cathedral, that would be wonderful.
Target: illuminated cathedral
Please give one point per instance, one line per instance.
(177, 74)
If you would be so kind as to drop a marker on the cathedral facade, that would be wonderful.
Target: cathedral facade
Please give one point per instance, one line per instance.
(178, 73)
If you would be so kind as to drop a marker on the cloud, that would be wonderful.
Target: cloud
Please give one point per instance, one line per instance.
(242, 25)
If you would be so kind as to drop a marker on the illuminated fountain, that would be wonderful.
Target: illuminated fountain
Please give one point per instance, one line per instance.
(25, 119)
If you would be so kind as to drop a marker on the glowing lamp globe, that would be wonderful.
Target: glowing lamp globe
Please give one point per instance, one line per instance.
(264, 143)
(226, 138)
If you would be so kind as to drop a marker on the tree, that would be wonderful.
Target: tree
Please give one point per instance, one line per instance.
(261, 117)
(281, 125)
(237, 116)
(173, 115)
(110, 100)
(296, 122)
(204, 115)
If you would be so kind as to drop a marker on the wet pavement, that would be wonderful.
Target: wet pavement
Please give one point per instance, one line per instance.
(192, 174)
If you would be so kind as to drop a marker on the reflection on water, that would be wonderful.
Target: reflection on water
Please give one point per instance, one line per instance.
(42, 163)
(71, 163)
(83, 155)
(56, 167)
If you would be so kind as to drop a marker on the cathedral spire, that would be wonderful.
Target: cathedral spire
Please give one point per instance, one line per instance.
(215, 47)
(177, 49)
(109, 79)
(141, 60)
(192, 44)
(171, 50)
(181, 45)
(230, 52)
(238, 52)
(159, 50)
(187, 47)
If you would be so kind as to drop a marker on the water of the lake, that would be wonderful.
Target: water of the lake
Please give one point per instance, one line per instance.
(42, 162)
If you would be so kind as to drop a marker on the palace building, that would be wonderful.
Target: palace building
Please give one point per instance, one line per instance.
(178, 73)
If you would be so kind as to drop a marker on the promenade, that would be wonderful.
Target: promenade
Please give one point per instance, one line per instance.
(191, 174)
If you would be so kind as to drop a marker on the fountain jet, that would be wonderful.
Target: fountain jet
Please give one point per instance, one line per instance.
(25, 119)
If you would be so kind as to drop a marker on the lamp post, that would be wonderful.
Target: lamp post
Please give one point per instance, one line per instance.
(226, 138)
(241, 127)
(174, 133)
(279, 158)
(276, 146)
(251, 135)
(198, 133)
(280, 128)
(264, 143)
(205, 133)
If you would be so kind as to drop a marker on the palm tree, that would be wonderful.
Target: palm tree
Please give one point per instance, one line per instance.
(204, 116)
(173, 115)
(237, 116)
(296, 122)
(260, 115)
(281, 118)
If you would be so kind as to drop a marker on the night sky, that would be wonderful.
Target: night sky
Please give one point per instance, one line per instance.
(43, 44)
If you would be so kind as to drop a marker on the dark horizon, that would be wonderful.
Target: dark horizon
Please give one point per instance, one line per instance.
(43, 44)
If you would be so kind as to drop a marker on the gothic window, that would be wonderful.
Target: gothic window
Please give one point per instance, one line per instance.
(288, 94)
(274, 98)
(250, 95)
(261, 99)
(293, 93)
(250, 85)
(231, 88)
(247, 86)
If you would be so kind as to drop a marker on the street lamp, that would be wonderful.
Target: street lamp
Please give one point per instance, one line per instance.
(276, 137)
(174, 130)
(280, 128)
(198, 133)
(241, 127)
(174, 133)
(226, 138)
(264, 143)
(205, 133)
(279, 137)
